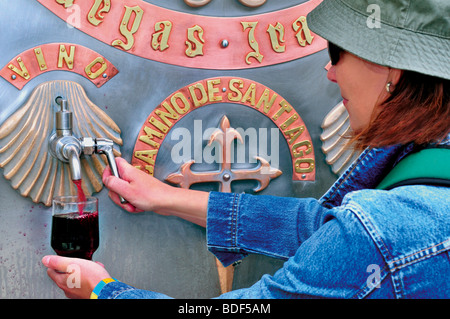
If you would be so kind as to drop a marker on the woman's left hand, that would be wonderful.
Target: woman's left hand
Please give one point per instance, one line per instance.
(76, 277)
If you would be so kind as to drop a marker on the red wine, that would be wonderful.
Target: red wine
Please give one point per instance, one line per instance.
(81, 196)
(75, 235)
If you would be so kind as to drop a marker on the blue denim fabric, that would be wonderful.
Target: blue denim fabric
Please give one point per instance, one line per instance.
(354, 242)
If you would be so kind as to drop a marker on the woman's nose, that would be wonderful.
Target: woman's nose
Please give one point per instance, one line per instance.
(331, 75)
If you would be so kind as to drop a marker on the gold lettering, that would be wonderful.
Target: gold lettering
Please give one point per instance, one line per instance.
(252, 41)
(250, 95)
(148, 138)
(301, 153)
(95, 16)
(128, 33)
(294, 133)
(174, 100)
(194, 45)
(65, 56)
(95, 74)
(150, 169)
(285, 107)
(160, 39)
(213, 90)
(164, 115)
(66, 3)
(163, 128)
(146, 156)
(289, 121)
(40, 59)
(264, 100)
(301, 169)
(23, 72)
(303, 33)
(204, 97)
(233, 88)
(276, 34)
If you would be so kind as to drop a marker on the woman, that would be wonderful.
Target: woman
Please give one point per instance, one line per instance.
(357, 241)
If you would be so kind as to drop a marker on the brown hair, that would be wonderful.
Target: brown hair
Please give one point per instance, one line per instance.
(418, 110)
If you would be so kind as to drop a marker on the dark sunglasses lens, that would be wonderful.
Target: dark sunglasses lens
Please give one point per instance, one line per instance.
(334, 52)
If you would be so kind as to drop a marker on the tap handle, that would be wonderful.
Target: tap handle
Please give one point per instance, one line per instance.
(63, 118)
(102, 146)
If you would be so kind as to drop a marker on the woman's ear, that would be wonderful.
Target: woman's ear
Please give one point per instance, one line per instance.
(395, 76)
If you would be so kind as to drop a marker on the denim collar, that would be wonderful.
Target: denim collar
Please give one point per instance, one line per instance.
(366, 172)
(369, 169)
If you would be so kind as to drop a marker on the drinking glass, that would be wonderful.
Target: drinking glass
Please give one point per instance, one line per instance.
(75, 230)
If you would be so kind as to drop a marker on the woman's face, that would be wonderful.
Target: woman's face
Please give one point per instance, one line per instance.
(363, 86)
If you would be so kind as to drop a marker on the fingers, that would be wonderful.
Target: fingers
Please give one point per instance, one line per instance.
(127, 172)
(127, 206)
(76, 277)
(57, 263)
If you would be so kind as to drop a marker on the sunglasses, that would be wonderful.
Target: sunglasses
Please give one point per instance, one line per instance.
(334, 52)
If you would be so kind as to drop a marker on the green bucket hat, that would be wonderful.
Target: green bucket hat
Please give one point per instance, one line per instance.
(403, 34)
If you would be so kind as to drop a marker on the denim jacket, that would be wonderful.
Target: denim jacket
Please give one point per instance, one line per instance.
(354, 242)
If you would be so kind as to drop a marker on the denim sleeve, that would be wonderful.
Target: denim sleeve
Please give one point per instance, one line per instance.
(120, 290)
(241, 224)
(338, 261)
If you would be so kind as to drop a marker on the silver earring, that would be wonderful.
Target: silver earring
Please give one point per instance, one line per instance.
(388, 87)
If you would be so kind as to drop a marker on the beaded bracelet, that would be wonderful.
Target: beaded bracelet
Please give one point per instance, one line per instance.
(100, 285)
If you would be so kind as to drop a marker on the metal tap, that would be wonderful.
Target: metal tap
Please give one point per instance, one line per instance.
(68, 148)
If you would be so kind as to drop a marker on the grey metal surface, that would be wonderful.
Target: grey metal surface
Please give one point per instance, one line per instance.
(154, 252)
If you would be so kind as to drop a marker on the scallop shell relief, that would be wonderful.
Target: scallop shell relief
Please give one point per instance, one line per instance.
(24, 155)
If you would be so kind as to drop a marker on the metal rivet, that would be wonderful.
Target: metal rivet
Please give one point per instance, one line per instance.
(224, 43)
(226, 177)
(13, 77)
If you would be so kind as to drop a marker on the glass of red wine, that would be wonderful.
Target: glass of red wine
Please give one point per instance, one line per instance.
(75, 230)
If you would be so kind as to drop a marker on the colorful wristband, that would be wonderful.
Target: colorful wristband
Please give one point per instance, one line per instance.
(99, 287)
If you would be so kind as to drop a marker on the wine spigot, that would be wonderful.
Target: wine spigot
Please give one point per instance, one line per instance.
(63, 144)
(101, 146)
(66, 147)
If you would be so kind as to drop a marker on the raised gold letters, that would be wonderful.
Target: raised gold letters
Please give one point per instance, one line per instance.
(301, 153)
(222, 43)
(95, 16)
(66, 3)
(166, 116)
(304, 165)
(264, 101)
(65, 56)
(90, 68)
(212, 90)
(252, 41)
(128, 32)
(194, 45)
(58, 57)
(23, 71)
(40, 59)
(148, 137)
(234, 90)
(237, 93)
(303, 33)
(160, 39)
(276, 34)
(203, 96)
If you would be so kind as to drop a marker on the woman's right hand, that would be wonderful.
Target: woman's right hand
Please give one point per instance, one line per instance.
(143, 192)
